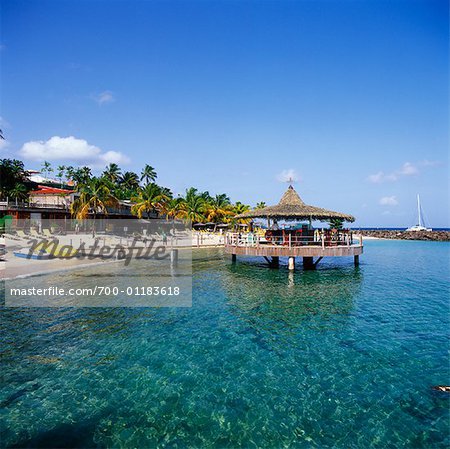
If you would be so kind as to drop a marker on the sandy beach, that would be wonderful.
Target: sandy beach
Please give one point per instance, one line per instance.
(13, 267)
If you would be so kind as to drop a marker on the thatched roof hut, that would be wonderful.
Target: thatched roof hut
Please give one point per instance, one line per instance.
(291, 207)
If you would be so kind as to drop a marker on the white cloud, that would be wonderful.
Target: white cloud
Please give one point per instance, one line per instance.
(69, 149)
(388, 201)
(104, 97)
(288, 175)
(427, 163)
(407, 169)
(380, 177)
(114, 157)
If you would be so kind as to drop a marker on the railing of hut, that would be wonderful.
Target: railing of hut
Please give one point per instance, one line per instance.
(323, 239)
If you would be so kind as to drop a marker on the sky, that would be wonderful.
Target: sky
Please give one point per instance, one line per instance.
(348, 98)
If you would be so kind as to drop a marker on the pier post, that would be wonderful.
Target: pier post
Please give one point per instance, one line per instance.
(308, 263)
(173, 257)
(356, 260)
(291, 262)
(275, 262)
(233, 258)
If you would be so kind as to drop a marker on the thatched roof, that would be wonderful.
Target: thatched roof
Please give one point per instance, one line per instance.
(291, 207)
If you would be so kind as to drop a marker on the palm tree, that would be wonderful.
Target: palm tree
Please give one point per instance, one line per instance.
(193, 207)
(12, 172)
(70, 170)
(95, 197)
(19, 192)
(46, 168)
(206, 196)
(112, 172)
(149, 174)
(240, 208)
(129, 180)
(149, 199)
(80, 176)
(173, 208)
(167, 192)
(192, 192)
(61, 171)
(218, 208)
(260, 205)
(336, 223)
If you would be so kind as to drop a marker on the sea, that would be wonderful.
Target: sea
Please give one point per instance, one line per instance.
(339, 357)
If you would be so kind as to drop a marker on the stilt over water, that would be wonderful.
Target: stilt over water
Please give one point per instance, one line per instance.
(291, 263)
(275, 262)
(308, 263)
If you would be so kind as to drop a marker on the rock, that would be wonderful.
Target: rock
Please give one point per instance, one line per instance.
(439, 236)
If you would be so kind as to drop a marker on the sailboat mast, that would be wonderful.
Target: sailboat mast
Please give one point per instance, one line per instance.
(418, 210)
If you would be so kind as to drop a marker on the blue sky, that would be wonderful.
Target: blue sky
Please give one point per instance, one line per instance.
(233, 96)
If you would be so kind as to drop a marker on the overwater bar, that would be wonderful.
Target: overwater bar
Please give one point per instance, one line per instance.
(295, 241)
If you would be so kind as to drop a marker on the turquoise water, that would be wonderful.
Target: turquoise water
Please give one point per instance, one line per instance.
(341, 357)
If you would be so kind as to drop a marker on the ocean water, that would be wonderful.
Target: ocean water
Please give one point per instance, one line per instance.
(339, 357)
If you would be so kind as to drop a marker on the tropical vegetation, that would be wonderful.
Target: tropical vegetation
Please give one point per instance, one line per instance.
(113, 188)
(14, 183)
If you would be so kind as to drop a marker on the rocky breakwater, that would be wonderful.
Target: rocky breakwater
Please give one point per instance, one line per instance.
(438, 236)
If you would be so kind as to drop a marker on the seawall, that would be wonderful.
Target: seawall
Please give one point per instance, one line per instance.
(439, 236)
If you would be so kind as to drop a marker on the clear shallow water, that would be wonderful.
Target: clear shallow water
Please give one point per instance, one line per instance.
(340, 357)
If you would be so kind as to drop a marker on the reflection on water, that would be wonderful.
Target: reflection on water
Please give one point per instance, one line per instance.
(340, 357)
(293, 297)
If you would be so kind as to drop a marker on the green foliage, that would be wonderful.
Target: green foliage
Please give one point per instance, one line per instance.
(148, 174)
(336, 223)
(149, 199)
(61, 173)
(112, 172)
(95, 197)
(13, 179)
(80, 176)
(47, 168)
(240, 208)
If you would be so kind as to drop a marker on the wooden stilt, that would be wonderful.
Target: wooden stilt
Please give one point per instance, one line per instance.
(356, 260)
(308, 263)
(291, 263)
(233, 258)
(275, 262)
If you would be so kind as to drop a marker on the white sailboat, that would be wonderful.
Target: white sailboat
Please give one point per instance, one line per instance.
(419, 226)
